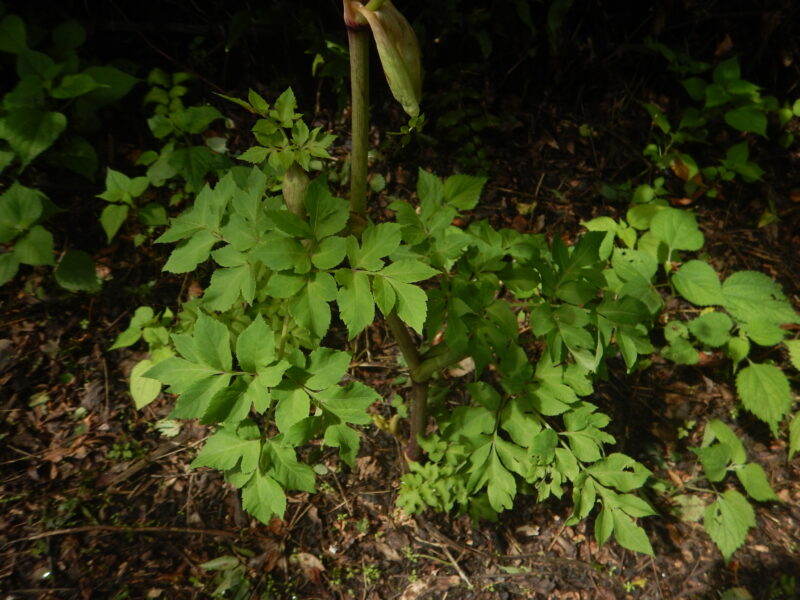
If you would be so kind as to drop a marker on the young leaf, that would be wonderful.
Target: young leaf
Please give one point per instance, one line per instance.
(229, 405)
(429, 188)
(76, 272)
(603, 526)
(281, 253)
(310, 307)
(748, 119)
(715, 460)
(20, 207)
(228, 285)
(737, 350)
(179, 373)
(385, 297)
(195, 400)
(9, 265)
(716, 429)
(326, 215)
(330, 253)
(727, 521)
(765, 392)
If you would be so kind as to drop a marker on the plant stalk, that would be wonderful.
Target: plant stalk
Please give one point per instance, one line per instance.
(359, 90)
(358, 35)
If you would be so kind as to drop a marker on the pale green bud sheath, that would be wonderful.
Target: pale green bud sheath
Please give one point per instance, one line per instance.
(398, 50)
(295, 184)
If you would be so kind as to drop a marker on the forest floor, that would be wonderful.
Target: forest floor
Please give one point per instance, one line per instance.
(98, 503)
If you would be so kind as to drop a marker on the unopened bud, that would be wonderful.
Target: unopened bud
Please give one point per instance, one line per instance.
(295, 184)
(399, 52)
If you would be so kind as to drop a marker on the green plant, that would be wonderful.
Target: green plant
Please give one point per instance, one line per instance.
(46, 116)
(257, 357)
(231, 577)
(126, 450)
(182, 164)
(187, 152)
(725, 98)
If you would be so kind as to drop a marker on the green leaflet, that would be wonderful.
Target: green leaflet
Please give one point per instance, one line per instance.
(255, 346)
(727, 521)
(377, 242)
(225, 450)
(263, 497)
(697, 281)
(283, 465)
(765, 392)
(355, 301)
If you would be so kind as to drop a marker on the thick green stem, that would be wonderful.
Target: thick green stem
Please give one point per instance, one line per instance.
(359, 86)
(435, 362)
(418, 405)
(358, 36)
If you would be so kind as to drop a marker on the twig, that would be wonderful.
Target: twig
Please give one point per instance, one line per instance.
(122, 529)
(556, 536)
(457, 566)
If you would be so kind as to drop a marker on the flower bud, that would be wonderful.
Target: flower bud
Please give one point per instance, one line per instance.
(399, 52)
(295, 184)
